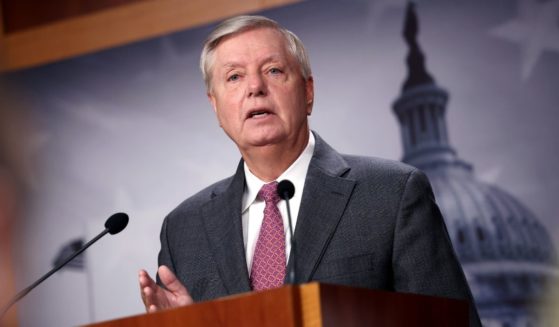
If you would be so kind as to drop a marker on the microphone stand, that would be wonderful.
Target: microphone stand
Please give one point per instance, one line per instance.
(115, 224)
(52, 271)
(286, 190)
(291, 272)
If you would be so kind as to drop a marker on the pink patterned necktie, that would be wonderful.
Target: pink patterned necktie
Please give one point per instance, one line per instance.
(268, 263)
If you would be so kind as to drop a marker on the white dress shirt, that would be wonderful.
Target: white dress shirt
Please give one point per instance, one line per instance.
(253, 208)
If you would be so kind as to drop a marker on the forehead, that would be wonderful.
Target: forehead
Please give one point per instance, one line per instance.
(251, 45)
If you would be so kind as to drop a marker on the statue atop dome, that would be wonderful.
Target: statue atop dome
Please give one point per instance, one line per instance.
(417, 72)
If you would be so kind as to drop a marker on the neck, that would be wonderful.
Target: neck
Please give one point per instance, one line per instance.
(270, 161)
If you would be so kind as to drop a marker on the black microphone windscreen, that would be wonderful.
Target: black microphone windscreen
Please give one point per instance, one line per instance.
(286, 189)
(116, 223)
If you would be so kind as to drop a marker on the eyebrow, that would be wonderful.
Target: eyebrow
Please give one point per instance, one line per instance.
(271, 58)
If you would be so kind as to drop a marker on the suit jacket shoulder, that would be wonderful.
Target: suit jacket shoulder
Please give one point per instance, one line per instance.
(198, 200)
(374, 223)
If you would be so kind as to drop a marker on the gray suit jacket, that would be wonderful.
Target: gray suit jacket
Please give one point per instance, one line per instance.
(364, 222)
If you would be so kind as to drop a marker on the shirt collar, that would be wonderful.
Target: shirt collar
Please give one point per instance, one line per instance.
(296, 173)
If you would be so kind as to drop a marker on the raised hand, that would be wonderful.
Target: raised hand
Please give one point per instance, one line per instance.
(156, 298)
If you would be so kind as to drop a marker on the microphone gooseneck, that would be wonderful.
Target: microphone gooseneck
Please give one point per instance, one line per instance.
(115, 224)
(286, 190)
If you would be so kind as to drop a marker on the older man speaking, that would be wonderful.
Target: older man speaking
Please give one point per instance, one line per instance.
(364, 222)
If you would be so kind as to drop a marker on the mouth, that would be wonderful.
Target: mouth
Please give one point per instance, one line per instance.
(259, 113)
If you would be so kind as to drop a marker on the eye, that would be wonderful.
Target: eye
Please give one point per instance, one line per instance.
(233, 77)
(275, 71)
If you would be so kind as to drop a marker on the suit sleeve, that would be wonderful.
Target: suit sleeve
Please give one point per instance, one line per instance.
(423, 259)
(165, 257)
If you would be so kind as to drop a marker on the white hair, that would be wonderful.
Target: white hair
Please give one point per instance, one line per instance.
(241, 24)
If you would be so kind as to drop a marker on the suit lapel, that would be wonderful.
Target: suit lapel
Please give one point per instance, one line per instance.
(324, 200)
(323, 203)
(222, 220)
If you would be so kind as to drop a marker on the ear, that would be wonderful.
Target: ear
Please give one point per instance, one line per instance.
(309, 94)
(212, 100)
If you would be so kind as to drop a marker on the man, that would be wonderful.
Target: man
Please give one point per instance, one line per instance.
(364, 222)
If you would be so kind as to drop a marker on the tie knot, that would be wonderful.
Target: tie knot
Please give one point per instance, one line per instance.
(269, 193)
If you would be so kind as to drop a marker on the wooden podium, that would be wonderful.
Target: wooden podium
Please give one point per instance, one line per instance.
(308, 305)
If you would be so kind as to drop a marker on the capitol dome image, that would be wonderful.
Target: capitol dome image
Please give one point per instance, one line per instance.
(506, 253)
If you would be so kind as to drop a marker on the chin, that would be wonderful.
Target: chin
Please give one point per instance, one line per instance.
(265, 140)
(265, 136)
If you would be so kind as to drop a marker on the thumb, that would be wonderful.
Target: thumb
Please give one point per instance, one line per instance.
(171, 282)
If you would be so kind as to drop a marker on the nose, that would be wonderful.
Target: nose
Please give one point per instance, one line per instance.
(256, 86)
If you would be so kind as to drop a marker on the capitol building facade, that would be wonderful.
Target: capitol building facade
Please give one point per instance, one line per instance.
(506, 253)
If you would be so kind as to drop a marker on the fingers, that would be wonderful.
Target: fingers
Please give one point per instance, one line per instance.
(148, 290)
(145, 280)
(170, 281)
(156, 298)
(180, 295)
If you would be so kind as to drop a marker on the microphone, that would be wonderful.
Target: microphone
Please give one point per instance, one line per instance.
(114, 225)
(286, 190)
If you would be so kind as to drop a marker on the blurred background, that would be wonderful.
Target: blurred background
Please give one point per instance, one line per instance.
(103, 109)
